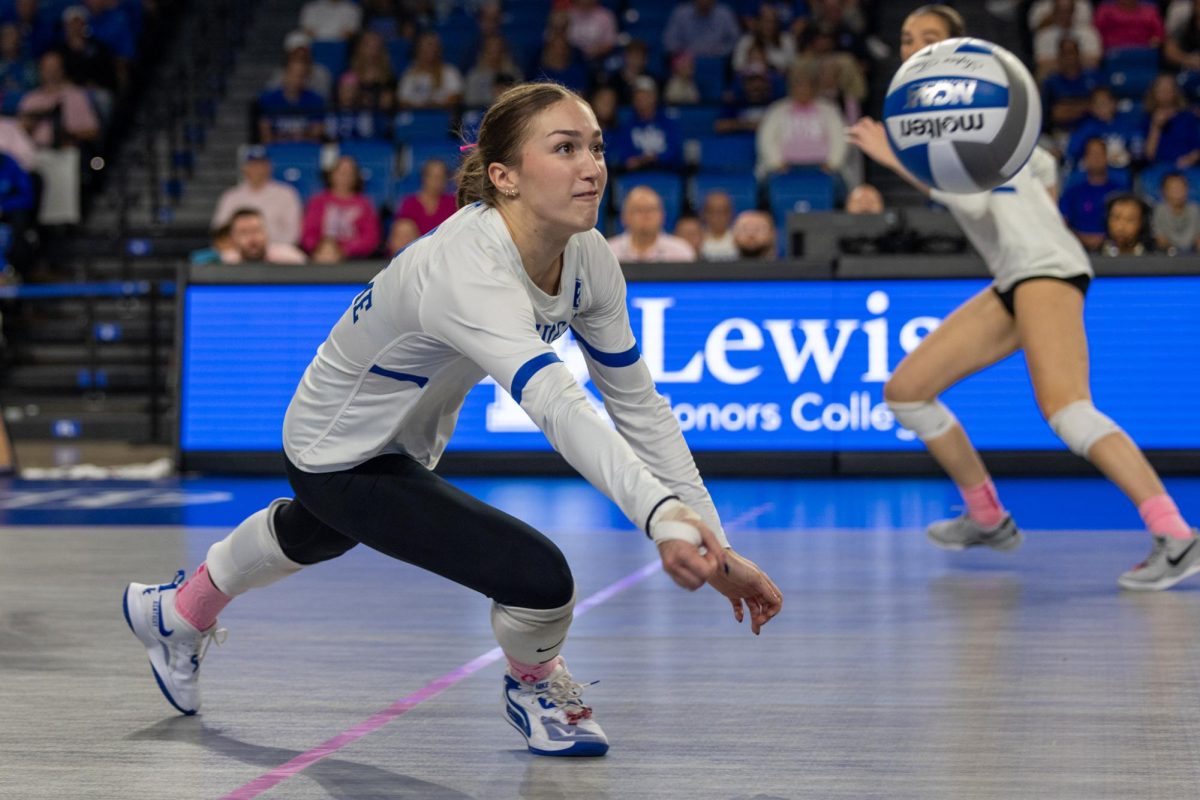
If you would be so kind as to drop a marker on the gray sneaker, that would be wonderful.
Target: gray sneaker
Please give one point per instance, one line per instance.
(1169, 562)
(963, 532)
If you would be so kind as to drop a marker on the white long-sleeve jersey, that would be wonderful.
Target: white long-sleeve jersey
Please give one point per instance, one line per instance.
(457, 305)
(1017, 228)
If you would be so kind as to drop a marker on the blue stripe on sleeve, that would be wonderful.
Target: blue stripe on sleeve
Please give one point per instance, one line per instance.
(399, 376)
(528, 370)
(624, 359)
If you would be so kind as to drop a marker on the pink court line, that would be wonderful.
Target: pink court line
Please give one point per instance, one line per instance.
(373, 723)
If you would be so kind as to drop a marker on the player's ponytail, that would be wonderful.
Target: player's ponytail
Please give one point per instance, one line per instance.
(502, 135)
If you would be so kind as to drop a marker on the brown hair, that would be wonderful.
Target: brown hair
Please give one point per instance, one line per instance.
(502, 134)
(954, 20)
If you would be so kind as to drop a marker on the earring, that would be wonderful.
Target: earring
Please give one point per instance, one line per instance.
(511, 193)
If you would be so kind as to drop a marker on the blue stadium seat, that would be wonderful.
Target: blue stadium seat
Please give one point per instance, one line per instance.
(297, 163)
(1130, 70)
(1150, 181)
(422, 125)
(694, 121)
(418, 153)
(331, 55)
(458, 46)
(800, 191)
(399, 52)
(711, 73)
(729, 152)
(377, 162)
(668, 185)
(741, 188)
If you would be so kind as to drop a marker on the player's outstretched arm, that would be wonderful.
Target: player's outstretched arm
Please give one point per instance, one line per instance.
(869, 136)
(743, 582)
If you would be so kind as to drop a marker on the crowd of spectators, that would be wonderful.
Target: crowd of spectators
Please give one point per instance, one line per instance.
(757, 91)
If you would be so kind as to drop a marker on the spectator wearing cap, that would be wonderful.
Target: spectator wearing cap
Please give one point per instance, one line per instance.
(54, 96)
(331, 20)
(18, 72)
(650, 140)
(494, 61)
(644, 238)
(36, 26)
(291, 113)
(276, 201)
(341, 215)
(110, 24)
(298, 45)
(88, 61)
(705, 27)
(248, 242)
(802, 130)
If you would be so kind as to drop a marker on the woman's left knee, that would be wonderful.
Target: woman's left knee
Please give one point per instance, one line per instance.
(1080, 425)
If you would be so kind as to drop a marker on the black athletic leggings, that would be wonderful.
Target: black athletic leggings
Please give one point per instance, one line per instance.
(398, 507)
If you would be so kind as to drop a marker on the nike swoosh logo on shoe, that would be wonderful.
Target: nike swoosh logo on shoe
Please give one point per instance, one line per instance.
(1175, 562)
(551, 647)
(159, 615)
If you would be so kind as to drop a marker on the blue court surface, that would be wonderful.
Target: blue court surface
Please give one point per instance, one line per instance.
(895, 672)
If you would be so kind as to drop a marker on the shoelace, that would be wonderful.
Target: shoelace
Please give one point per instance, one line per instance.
(566, 693)
(1160, 544)
(214, 635)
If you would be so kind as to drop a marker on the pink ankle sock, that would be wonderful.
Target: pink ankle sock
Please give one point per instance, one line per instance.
(531, 673)
(1162, 517)
(199, 601)
(983, 506)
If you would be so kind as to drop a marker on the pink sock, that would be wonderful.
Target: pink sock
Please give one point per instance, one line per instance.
(983, 506)
(532, 673)
(1162, 518)
(199, 601)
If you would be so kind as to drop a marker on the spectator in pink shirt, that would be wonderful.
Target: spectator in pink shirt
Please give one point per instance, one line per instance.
(801, 130)
(423, 211)
(1129, 23)
(644, 239)
(279, 202)
(591, 28)
(342, 214)
(56, 94)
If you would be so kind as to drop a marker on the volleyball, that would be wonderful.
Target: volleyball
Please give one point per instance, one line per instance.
(963, 115)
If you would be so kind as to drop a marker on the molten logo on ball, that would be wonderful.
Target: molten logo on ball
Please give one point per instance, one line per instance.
(963, 115)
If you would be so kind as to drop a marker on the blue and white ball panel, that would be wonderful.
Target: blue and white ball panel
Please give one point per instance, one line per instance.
(963, 115)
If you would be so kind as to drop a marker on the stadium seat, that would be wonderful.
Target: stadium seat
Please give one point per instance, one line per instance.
(422, 125)
(418, 153)
(711, 73)
(741, 188)
(297, 163)
(1130, 70)
(694, 121)
(730, 152)
(377, 162)
(799, 191)
(668, 185)
(331, 55)
(399, 51)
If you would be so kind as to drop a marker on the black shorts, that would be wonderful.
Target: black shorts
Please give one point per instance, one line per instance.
(1007, 297)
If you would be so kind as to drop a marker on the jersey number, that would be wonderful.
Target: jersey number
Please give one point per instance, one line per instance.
(363, 301)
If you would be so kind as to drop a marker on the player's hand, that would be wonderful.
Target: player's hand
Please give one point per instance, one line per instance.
(869, 136)
(743, 582)
(690, 565)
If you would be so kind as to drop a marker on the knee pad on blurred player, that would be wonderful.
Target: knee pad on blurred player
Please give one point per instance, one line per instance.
(532, 635)
(1080, 425)
(928, 419)
(250, 557)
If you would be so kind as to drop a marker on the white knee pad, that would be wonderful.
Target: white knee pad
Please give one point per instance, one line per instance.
(1080, 425)
(532, 635)
(250, 557)
(928, 419)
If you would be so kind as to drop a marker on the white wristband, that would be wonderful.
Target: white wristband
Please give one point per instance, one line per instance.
(668, 529)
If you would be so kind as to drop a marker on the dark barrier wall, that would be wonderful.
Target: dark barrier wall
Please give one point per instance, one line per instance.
(769, 368)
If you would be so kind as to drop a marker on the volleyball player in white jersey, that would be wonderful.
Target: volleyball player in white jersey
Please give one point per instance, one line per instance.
(1034, 304)
(484, 294)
